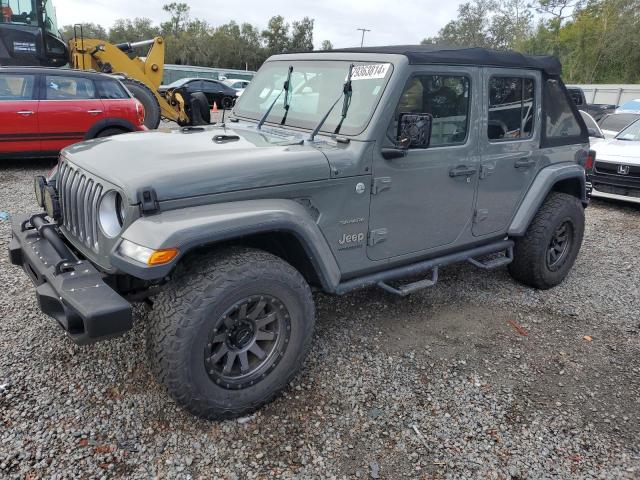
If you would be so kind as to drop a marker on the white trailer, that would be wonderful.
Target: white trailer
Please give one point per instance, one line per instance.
(615, 94)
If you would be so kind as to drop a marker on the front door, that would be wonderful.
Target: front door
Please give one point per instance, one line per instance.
(424, 200)
(509, 139)
(18, 114)
(69, 108)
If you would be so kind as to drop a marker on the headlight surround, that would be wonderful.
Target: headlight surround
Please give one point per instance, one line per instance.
(111, 213)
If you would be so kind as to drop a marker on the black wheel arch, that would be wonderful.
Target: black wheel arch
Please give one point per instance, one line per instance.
(101, 125)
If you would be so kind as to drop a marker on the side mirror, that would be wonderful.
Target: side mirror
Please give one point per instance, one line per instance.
(414, 130)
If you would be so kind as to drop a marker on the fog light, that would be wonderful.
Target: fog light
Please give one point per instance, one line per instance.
(146, 255)
(51, 203)
(39, 183)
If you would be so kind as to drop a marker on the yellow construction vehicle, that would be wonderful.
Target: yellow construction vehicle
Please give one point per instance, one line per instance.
(29, 36)
(141, 76)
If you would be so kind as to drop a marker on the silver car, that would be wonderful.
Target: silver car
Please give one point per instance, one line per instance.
(616, 172)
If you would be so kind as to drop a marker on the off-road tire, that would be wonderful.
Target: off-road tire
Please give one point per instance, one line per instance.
(202, 290)
(530, 265)
(142, 93)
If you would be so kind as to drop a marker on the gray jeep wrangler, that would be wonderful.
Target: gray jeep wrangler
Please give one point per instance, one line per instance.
(339, 170)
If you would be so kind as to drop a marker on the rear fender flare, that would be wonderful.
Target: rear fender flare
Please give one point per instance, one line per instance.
(109, 123)
(193, 227)
(542, 185)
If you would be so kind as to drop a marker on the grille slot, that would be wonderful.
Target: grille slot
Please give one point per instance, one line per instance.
(79, 198)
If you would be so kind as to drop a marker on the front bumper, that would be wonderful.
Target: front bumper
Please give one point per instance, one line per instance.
(614, 184)
(68, 289)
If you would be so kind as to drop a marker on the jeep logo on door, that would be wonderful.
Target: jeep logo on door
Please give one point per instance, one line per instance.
(623, 169)
(350, 240)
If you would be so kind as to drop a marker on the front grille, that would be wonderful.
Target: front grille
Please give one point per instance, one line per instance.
(79, 197)
(612, 169)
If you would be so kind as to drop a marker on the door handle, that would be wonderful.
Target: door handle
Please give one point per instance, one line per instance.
(462, 171)
(94, 112)
(25, 113)
(525, 162)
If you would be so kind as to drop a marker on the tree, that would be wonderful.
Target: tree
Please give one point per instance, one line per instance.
(327, 45)
(179, 18)
(301, 36)
(126, 30)
(89, 30)
(276, 36)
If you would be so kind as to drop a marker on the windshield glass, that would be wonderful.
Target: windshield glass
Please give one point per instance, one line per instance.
(632, 132)
(618, 121)
(315, 86)
(18, 11)
(50, 20)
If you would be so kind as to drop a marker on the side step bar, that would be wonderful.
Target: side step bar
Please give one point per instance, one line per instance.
(381, 278)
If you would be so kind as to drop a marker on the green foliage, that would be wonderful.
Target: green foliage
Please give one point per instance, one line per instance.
(89, 30)
(598, 41)
(195, 42)
(327, 45)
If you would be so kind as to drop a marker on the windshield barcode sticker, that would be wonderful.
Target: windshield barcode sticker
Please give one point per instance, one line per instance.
(368, 72)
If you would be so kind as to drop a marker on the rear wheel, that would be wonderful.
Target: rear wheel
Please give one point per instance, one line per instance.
(147, 98)
(231, 332)
(545, 255)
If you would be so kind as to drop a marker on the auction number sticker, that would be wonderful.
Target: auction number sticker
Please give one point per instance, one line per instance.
(369, 72)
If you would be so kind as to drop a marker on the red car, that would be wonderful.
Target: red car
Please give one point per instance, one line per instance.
(43, 110)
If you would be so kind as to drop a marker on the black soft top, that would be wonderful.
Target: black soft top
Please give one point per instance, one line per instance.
(438, 54)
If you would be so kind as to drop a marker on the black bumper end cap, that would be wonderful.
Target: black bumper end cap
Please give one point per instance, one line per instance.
(15, 252)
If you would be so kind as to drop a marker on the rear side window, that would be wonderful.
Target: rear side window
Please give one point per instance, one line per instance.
(446, 97)
(111, 90)
(511, 108)
(69, 88)
(576, 96)
(16, 87)
(561, 124)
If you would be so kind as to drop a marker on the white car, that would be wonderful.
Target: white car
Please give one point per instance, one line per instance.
(616, 171)
(238, 84)
(596, 135)
(614, 123)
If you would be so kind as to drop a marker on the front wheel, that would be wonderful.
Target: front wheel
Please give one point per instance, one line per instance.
(546, 253)
(231, 331)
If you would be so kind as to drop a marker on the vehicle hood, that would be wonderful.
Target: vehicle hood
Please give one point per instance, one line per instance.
(618, 150)
(179, 163)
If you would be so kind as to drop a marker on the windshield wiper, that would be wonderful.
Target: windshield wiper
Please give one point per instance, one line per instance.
(346, 94)
(285, 87)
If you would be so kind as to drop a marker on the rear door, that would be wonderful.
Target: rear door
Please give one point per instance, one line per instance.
(509, 142)
(69, 108)
(18, 114)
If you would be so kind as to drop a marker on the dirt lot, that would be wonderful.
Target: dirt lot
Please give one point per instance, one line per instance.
(477, 377)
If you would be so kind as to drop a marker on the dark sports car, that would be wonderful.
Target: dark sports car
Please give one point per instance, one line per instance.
(215, 91)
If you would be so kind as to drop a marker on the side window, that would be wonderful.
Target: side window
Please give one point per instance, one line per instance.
(576, 97)
(559, 119)
(69, 88)
(446, 98)
(111, 90)
(16, 87)
(511, 108)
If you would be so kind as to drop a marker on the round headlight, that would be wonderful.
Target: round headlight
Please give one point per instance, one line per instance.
(38, 185)
(111, 213)
(50, 202)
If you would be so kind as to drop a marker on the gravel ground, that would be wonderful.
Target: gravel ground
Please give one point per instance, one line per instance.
(478, 377)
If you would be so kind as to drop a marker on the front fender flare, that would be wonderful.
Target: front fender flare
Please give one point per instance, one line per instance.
(542, 185)
(192, 227)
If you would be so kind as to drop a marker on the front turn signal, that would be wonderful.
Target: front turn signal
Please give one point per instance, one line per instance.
(160, 257)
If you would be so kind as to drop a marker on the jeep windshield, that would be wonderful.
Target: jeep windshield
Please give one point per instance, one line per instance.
(315, 86)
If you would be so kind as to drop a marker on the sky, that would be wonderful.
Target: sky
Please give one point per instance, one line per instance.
(407, 22)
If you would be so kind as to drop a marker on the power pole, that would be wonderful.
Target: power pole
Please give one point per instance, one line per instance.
(363, 30)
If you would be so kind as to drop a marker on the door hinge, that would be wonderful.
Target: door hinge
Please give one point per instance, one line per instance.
(376, 236)
(380, 184)
(481, 215)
